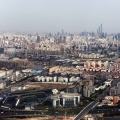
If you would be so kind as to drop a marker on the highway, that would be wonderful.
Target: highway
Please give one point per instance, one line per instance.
(105, 111)
(16, 113)
(95, 103)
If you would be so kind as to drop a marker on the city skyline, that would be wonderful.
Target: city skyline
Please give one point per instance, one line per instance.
(53, 16)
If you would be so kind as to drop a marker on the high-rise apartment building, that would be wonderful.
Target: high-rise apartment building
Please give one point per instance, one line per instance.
(38, 38)
(101, 28)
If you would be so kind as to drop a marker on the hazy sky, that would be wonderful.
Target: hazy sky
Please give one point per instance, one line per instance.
(55, 15)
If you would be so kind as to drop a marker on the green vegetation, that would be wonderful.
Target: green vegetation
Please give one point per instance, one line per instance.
(97, 93)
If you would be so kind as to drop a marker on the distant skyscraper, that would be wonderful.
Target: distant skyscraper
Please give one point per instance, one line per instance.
(38, 38)
(101, 28)
(89, 47)
(62, 31)
(97, 31)
(118, 36)
(1, 50)
(58, 33)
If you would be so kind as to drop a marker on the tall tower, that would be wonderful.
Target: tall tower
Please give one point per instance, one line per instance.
(62, 31)
(38, 38)
(97, 31)
(101, 28)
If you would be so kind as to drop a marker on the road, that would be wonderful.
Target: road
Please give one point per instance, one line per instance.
(104, 111)
(95, 103)
(86, 110)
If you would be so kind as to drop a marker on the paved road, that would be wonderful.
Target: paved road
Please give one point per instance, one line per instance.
(107, 110)
(86, 110)
(95, 103)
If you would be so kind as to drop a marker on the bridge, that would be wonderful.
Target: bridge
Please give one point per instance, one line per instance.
(86, 110)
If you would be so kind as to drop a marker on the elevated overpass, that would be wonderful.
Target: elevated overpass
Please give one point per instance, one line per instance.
(86, 110)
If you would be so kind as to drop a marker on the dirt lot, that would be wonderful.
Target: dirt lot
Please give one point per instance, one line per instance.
(39, 85)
